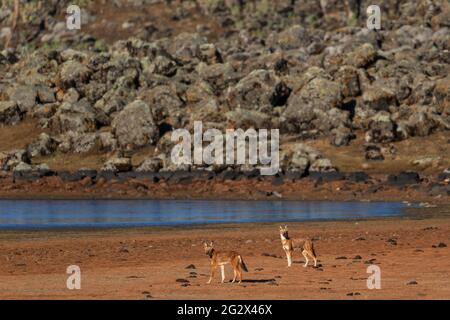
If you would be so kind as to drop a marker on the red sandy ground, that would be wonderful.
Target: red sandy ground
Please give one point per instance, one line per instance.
(146, 263)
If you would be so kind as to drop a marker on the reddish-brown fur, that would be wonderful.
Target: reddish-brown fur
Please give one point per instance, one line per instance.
(220, 258)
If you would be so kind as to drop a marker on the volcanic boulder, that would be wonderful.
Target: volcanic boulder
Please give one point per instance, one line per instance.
(134, 126)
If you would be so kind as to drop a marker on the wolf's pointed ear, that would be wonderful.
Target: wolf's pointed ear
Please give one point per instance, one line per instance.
(285, 226)
(281, 228)
(212, 243)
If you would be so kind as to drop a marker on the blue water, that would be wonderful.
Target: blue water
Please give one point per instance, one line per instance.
(47, 214)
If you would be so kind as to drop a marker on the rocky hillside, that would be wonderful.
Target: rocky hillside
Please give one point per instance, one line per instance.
(108, 96)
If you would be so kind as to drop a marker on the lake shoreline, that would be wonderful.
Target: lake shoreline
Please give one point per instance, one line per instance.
(332, 186)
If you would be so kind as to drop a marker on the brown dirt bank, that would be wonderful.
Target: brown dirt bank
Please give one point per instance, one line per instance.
(152, 263)
(375, 188)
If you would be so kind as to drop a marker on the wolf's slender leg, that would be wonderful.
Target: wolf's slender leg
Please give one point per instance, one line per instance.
(236, 269)
(222, 271)
(315, 261)
(213, 269)
(240, 275)
(289, 258)
(312, 256)
(304, 253)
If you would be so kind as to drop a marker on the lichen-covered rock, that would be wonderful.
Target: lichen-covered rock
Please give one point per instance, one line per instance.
(242, 118)
(163, 101)
(22, 166)
(427, 162)
(420, 120)
(362, 56)
(256, 91)
(373, 152)
(44, 111)
(43, 146)
(322, 165)
(71, 54)
(298, 158)
(150, 165)
(422, 90)
(210, 54)
(381, 129)
(341, 136)
(116, 99)
(442, 95)
(86, 142)
(42, 167)
(117, 165)
(184, 46)
(296, 36)
(108, 142)
(10, 113)
(412, 36)
(77, 117)
(24, 96)
(134, 126)
(379, 98)
(10, 159)
(73, 73)
(45, 95)
(70, 96)
(79, 142)
(311, 108)
(219, 75)
(296, 161)
(348, 77)
(164, 66)
(199, 91)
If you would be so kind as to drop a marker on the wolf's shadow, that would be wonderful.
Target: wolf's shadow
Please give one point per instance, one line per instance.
(258, 280)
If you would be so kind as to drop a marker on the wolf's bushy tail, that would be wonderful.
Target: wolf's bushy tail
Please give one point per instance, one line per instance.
(242, 264)
(312, 249)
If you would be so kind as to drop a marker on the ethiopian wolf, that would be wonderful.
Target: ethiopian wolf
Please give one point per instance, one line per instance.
(290, 245)
(221, 258)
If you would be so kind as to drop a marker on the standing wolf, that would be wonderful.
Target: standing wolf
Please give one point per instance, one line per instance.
(221, 258)
(290, 245)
